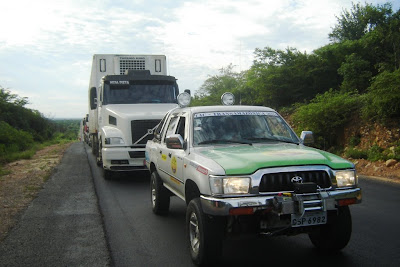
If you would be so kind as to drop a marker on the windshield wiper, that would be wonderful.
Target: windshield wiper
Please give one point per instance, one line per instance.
(272, 139)
(215, 141)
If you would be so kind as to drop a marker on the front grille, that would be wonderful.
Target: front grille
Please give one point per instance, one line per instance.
(275, 182)
(142, 128)
(131, 64)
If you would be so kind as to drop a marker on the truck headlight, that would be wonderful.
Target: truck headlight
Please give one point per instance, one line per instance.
(114, 141)
(346, 178)
(229, 185)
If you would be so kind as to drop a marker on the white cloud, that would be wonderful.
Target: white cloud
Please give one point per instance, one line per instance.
(46, 46)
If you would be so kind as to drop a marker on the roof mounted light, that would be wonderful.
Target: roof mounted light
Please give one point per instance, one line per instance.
(184, 99)
(228, 99)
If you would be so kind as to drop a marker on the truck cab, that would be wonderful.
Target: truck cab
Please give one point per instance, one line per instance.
(126, 108)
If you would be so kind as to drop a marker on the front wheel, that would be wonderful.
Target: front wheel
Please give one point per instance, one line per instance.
(204, 233)
(160, 196)
(334, 235)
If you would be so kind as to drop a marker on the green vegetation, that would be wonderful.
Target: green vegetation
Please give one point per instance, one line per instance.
(355, 77)
(326, 115)
(23, 131)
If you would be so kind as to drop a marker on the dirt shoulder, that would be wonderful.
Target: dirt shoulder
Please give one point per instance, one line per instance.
(378, 169)
(21, 186)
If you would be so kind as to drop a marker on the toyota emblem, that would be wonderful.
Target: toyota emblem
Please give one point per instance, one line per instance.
(297, 179)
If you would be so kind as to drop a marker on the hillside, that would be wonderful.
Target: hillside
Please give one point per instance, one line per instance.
(381, 141)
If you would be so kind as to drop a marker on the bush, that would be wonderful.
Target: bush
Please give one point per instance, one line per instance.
(356, 153)
(383, 97)
(13, 140)
(375, 153)
(326, 115)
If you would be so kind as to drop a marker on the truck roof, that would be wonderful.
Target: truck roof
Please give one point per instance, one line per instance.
(139, 75)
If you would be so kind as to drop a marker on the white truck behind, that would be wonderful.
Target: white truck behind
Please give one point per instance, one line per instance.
(128, 96)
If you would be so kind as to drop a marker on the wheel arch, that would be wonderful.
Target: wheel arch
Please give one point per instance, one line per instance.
(152, 167)
(191, 191)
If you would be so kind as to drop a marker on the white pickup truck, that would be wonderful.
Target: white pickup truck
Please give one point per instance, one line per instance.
(243, 170)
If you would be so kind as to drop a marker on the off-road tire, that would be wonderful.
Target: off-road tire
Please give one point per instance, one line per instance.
(204, 234)
(160, 196)
(335, 235)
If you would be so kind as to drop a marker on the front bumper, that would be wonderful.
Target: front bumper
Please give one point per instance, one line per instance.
(290, 203)
(123, 159)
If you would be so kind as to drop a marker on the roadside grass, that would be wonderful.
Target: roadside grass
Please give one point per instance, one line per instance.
(11, 156)
(374, 153)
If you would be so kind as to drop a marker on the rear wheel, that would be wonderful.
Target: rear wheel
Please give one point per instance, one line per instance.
(107, 174)
(93, 144)
(204, 233)
(335, 235)
(160, 196)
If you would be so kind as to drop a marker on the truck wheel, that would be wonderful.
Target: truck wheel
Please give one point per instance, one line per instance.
(204, 233)
(108, 175)
(335, 235)
(93, 145)
(160, 196)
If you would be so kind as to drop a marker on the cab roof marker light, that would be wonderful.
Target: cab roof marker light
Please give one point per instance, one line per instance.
(228, 99)
(184, 99)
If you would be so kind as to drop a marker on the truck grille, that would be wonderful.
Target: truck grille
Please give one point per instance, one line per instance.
(142, 130)
(131, 64)
(275, 182)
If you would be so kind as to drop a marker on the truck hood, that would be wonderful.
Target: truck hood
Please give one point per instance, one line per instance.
(246, 159)
(140, 111)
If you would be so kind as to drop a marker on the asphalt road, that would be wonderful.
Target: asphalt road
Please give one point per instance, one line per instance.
(137, 237)
(68, 226)
(62, 226)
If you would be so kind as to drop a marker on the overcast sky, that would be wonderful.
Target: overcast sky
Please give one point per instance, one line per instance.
(46, 46)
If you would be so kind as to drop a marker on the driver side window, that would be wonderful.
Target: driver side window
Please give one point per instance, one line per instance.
(171, 127)
(181, 127)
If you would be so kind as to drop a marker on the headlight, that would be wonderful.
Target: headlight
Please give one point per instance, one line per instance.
(114, 141)
(229, 185)
(346, 178)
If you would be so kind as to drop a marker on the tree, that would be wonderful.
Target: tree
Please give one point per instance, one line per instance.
(6, 97)
(14, 113)
(356, 73)
(383, 96)
(211, 90)
(283, 77)
(354, 24)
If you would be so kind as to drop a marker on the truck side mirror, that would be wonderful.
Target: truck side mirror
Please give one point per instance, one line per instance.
(307, 138)
(174, 141)
(93, 98)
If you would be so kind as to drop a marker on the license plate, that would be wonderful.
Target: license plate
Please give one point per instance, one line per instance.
(309, 219)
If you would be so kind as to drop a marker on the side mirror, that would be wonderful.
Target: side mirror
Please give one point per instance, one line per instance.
(307, 138)
(93, 98)
(175, 141)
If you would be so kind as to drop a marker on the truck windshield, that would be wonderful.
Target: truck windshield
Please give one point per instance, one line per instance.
(140, 92)
(241, 127)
